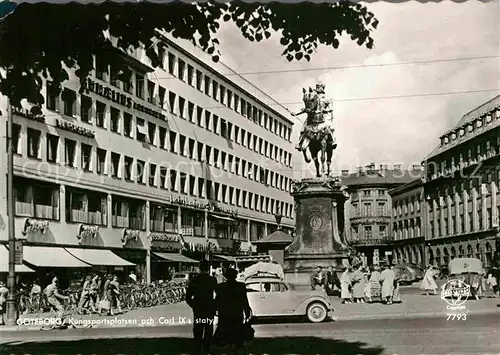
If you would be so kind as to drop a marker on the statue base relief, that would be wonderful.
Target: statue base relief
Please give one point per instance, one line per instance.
(319, 241)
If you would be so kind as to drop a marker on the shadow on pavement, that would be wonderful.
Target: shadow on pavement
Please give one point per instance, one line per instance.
(178, 346)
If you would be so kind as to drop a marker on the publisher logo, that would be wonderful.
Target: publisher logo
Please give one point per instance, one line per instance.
(455, 293)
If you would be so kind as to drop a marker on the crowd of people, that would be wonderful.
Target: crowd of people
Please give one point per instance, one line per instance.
(359, 284)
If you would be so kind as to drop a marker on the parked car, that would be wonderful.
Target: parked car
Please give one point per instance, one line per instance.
(420, 271)
(272, 297)
(407, 272)
(183, 276)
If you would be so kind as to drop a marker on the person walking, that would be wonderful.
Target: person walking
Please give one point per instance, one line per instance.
(233, 310)
(85, 294)
(387, 278)
(396, 295)
(200, 296)
(345, 286)
(374, 283)
(4, 291)
(428, 283)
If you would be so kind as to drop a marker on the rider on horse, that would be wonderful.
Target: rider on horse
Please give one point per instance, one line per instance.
(319, 121)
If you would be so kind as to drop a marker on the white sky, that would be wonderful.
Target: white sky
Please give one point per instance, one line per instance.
(390, 131)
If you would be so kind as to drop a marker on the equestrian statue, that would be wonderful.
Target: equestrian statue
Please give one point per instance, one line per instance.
(317, 135)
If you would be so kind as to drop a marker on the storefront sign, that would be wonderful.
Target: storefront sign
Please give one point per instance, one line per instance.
(120, 98)
(33, 226)
(164, 237)
(35, 116)
(70, 127)
(18, 252)
(129, 235)
(85, 231)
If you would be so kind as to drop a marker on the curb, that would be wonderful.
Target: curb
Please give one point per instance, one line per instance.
(336, 318)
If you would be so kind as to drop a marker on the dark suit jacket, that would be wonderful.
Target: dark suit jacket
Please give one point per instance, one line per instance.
(232, 300)
(332, 278)
(200, 294)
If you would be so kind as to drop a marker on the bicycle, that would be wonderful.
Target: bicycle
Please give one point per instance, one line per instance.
(79, 317)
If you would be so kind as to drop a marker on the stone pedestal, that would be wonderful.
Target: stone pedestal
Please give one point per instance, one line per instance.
(319, 240)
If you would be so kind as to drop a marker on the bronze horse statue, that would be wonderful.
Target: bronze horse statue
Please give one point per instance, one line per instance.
(316, 136)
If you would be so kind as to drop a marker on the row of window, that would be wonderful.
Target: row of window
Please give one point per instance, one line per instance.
(367, 210)
(142, 172)
(480, 181)
(97, 163)
(470, 155)
(407, 229)
(155, 94)
(41, 200)
(122, 122)
(474, 223)
(368, 193)
(471, 127)
(366, 232)
(407, 206)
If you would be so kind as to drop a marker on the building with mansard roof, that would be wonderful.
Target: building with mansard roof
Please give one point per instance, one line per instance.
(462, 188)
(186, 156)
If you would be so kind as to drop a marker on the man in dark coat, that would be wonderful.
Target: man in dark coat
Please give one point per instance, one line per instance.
(200, 296)
(233, 310)
(332, 280)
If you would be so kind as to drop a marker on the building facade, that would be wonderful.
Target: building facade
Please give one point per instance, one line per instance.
(409, 222)
(462, 188)
(368, 209)
(182, 156)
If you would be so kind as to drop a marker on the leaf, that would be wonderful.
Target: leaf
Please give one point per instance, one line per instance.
(298, 56)
(267, 34)
(335, 43)
(258, 37)
(289, 57)
(226, 17)
(215, 58)
(284, 41)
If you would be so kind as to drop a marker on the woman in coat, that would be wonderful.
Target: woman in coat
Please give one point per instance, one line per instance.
(358, 285)
(374, 284)
(387, 278)
(345, 286)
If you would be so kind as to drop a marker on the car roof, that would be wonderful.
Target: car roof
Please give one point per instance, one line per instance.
(263, 279)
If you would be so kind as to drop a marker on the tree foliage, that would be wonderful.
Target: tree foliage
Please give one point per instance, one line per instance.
(37, 38)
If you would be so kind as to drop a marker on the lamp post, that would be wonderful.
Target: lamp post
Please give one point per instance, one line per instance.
(11, 314)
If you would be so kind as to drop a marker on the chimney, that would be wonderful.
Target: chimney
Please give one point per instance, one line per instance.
(383, 167)
(416, 167)
(370, 166)
(345, 172)
(359, 169)
(397, 166)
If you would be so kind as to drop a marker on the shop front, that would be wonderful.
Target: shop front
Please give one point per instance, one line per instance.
(166, 257)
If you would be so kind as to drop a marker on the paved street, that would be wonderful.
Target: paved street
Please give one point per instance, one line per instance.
(477, 335)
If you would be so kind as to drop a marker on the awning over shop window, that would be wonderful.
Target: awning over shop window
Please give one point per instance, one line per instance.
(224, 218)
(98, 257)
(4, 263)
(50, 257)
(176, 258)
(224, 257)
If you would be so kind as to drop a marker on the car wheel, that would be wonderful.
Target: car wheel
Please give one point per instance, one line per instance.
(316, 312)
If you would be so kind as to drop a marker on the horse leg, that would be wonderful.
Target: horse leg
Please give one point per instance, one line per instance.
(304, 148)
(329, 155)
(323, 156)
(314, 152)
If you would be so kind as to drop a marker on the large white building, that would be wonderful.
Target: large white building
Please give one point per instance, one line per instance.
(183, 153)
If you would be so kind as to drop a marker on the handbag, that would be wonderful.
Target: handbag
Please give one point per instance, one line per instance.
(105, 304)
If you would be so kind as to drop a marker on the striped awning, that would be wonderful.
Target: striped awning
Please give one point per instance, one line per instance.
(4, 262)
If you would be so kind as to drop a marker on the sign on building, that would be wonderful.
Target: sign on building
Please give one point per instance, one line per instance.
(18, 251)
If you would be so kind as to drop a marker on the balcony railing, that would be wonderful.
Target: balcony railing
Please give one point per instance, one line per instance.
(372, 241)
(81, 216)
(199, 231)
(46, 212)
(119, 221)
(136, 223)
(24, 209)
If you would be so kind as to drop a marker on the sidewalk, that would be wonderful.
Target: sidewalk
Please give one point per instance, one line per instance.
(414, 305)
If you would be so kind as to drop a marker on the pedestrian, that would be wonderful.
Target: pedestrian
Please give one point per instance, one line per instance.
(233, 310)
(345, 286)
(374, 283)
(95, 286)
(428, 283)
(4, 291)
(317, 278)
(85, 294)
(358, 286)
(35, 293)
(200, 296)
(387, 278)
(116, 291)
(109, 296)
(332, 281)
(492, 283)
(132, 277)
(396, 298)
(52, 294)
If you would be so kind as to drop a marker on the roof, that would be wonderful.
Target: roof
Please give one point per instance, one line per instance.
(417, 183)
(467, 118)
(276, 237)
(381, 177)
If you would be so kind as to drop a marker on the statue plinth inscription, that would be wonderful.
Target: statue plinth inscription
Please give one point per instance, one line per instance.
(319, 239)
